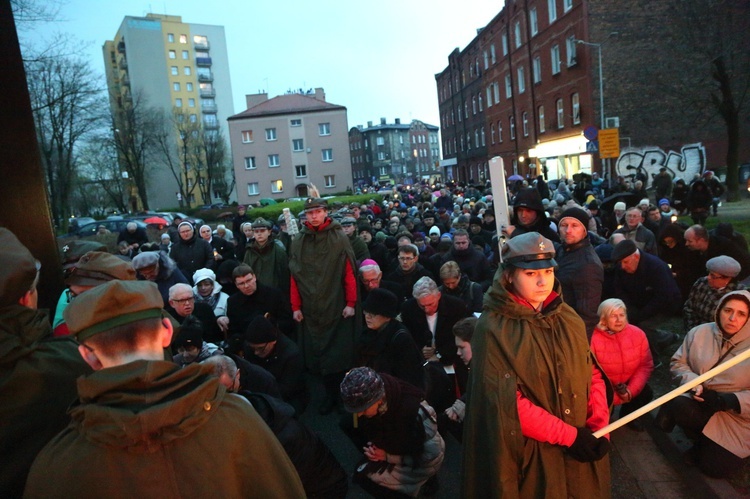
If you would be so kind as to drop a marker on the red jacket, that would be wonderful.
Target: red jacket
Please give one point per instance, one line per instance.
(625, 357)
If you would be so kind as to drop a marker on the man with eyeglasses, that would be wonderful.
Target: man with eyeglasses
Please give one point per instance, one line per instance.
(371, 277)
(635, 231)
(146, 427)
(705, 294)
(409, 271)
(255, 298)
(182, 304)
(38, 375)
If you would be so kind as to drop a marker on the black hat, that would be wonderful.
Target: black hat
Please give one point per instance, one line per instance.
(191, 333)
(361, 388)
(593, 205)
(475, 221)
(260, 331)
(365, 228)
(428, 214)
(381, 302)
(74, 250)
(578, 214)
(529, 198)
(529, 251)
(313, 203)
(623, 249)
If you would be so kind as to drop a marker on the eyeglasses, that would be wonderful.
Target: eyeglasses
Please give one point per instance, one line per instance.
(259, 348)
(406, 258)
(183, 300)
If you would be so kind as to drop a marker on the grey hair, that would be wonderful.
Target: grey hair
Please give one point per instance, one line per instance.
(368, 268)
(131, 226)
(423, 287)
(608, 306)
(222, 365)
(450, 269)
(177, 287)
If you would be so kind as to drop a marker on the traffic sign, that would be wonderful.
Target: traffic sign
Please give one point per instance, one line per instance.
(590, 132)
(592, 146)
(609, 143)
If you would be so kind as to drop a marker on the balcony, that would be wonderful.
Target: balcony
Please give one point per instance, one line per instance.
(208, 108)
(208, 93)
(201, 45)
(203, 61)
(121, 47)
(211, 125)
(206, 77)
(123, 63)
(125, 80)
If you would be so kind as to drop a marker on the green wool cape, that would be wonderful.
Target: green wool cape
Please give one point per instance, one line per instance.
(316, 262)
(545, 355)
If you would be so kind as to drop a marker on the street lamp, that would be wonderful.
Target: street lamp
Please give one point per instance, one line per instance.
(601, 80)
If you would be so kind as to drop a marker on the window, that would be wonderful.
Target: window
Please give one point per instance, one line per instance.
(187, 71)
(176, 86)
(505, 43)
(300, 171)
(499, 132)
(542, 127)
(185, 55)
(492, 133)
(252, 189)
(183, 38)
(552, 7)
(270, 134)
(381, 156)
(468, 141)
(508, 87)
(512, 121)
(191, 102)
(172, 54)
(476, 138)
(170, 37)
(521, 80)
(189, 87)
(481, 105)
(517, 33)
(174, 71)
(493, 56)
(576, 106)
(459, 114)
(298, 145)
(554, 54)
(250, 163)
(570, 49)
(200, 39)
(380, 141)
(247, 136)
(324, 129)
(481, 134)
(567, 5)
(474, 105)
(273, 160)
(330, 180)
(560, 114)
(533, 21)
(327, 154)
(193, 118)
(496, 92)
(486, 57)
(525, 123)
(489, 95)
(277, 186)
(178, 102)
(297, 122)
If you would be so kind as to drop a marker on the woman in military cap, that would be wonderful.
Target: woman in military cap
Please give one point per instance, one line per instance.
(535, 395)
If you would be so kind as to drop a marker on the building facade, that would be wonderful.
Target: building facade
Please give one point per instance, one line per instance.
(394, 153)
(283, 144)
(181, 69)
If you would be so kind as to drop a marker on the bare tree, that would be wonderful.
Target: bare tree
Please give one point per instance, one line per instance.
(66, 104)
(712, 36)
(215, 156)
(100, 171)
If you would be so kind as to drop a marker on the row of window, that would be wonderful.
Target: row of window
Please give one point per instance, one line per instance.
(273, 159)
(323, 130)
(479, 137)
(197, 39)
(277, 186)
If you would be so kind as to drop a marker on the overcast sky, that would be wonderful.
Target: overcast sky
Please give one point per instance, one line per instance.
(379, 59)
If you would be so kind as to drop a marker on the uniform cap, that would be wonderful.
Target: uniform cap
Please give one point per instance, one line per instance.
(96, 267)
(529, 251)
(18, 268)
(262, 223)
(74, 250)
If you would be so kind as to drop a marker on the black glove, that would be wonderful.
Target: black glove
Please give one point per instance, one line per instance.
(587, 448)
(720, 401)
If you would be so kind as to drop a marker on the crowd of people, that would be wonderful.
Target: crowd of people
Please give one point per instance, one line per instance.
(378, 304)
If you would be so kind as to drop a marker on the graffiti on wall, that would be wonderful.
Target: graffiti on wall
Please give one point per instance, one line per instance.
(685, 164)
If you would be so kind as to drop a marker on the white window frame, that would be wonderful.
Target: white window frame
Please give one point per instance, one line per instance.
(560, 110)
(521, 73)
(575, 104)
(570, 51)
(326, 155)
(247, 136)
(517, 34)
(493, 55)
(482, 137)
(552, 8)
(505, 43)
(567, 5)
(275, 186)
(492, 134)
(489, 95)
(252, 189)
(496, 92)
(330, 180)
(512, 127)
(273, 161)
(298, 145)
(324, 129)
(554, 54)
(533, 21)
(297, 171)
(486, 58)
(250, 163)
(295, 122)
(380, 141)
(499, 131)
(525, 123)
(508, 86)
(542, 125)
(271, 135)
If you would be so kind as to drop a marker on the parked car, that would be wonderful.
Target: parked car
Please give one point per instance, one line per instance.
(193, 220)
(113, 226)
(215, 206)
(75, 222)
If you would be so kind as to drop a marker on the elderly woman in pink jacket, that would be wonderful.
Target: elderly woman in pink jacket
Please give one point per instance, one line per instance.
(623, 354)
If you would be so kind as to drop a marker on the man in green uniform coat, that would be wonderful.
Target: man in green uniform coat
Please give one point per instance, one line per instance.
(324, 297)
(143, 426)
(268, 257)
(37, 372)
